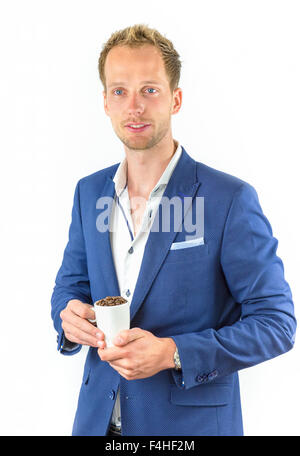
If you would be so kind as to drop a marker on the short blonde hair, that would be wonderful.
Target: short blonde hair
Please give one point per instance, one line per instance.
(138, 35)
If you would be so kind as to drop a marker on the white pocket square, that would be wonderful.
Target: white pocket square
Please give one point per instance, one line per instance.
(186, 244)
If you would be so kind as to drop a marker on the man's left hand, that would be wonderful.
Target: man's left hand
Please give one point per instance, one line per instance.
(139, 354)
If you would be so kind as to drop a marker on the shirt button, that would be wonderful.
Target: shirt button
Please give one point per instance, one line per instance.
(130, 250)
(128, 293)
(112, 395)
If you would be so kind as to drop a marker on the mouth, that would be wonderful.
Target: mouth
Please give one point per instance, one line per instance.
(137, 128)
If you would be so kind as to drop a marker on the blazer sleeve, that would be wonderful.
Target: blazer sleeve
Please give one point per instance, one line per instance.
(72, 281)
(255, 277)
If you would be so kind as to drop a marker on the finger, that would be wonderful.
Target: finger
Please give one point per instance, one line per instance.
(88, 313)
(128, 335)
(74, 334)
(111, 354)
(83, 325)
(72, 338)
(121, 363)
(91, 315)
(84, 310)
(129, 375)
(102, 344)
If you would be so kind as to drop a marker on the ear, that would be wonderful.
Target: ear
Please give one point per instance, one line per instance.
(105, 103)
(177, 100)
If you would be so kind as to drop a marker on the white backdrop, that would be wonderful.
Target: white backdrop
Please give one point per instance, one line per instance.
(240, 114)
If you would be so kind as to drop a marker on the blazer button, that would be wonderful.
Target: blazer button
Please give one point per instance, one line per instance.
(213, 374)
(130, 250)
(112, 395)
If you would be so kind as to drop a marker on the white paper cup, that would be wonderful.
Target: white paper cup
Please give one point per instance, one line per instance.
(112, 319)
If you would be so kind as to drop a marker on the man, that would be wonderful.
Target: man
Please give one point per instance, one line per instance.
(203, 305)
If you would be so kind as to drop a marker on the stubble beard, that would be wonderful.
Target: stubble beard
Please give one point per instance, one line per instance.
(145, 142)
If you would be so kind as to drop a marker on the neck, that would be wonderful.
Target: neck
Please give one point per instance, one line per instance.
(145, 167)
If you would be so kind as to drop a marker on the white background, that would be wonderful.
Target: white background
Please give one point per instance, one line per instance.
(240, 114)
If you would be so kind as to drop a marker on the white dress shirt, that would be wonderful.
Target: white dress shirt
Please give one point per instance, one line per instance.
(127, 249)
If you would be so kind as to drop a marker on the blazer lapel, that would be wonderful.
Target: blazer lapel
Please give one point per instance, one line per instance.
(105, 251)
(183, 183)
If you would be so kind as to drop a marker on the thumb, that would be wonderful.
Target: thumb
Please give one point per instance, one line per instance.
(91, 317)
(128, 335)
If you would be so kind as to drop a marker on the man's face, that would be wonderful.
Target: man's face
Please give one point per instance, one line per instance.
(138, 92)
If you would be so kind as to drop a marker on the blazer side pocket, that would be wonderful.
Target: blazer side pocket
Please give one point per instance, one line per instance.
(209, 395)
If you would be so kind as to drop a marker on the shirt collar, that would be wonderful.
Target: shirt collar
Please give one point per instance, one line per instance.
(120, 178)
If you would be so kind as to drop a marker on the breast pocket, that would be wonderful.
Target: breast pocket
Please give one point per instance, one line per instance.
(188, 254)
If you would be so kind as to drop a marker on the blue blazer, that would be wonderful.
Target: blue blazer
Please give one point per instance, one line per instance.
(225, 303)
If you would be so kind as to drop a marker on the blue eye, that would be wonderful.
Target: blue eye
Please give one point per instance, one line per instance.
(120, 90)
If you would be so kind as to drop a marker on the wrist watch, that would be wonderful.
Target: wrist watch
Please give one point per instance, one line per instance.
(177, 360)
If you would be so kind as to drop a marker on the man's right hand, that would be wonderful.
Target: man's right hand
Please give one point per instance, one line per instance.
(76, 326)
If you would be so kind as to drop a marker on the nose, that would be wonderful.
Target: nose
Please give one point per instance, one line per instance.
(135, 105)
